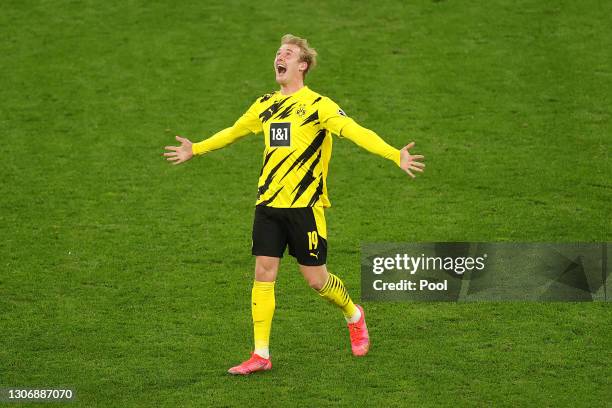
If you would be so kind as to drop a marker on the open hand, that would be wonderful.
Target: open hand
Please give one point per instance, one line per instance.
(179, 154)
(411, 162)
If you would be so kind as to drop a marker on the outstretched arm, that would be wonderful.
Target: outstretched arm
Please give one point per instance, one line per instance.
(248, 123)
(373, 143)
(187, 149)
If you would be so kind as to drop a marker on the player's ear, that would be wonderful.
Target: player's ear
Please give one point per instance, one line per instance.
(302, 66)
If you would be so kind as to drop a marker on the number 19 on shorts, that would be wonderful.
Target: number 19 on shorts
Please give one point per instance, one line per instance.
(313, 240)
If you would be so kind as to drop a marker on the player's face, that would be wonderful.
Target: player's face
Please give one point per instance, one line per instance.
(287, 65)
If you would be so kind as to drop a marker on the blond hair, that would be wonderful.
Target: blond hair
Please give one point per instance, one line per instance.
(307, 53)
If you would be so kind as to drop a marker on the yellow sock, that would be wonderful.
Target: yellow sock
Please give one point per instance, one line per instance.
(262, 308)
(335, 291)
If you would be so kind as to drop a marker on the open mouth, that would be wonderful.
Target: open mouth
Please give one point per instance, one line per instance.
(281, 69)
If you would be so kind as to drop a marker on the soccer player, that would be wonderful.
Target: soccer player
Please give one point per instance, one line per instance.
(297, 124)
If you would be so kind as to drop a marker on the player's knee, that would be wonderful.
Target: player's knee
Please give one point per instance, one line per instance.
(315, 276)
(316, 283)
(266, 269)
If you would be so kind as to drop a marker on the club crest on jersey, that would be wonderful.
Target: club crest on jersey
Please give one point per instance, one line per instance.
(280, 134)
(341, 112)
(301, 111)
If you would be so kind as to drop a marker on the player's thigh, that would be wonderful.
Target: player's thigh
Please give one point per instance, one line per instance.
(307, 235)
(269, 233)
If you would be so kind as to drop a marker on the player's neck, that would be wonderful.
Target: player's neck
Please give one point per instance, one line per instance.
(291, 88)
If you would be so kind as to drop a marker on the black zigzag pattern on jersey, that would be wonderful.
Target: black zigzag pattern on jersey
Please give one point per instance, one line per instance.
(286, 112)
(272, 109)
(309, 152)
(317, 100)
(263, 166)
(269, 200)
(313, 117)
(265, 97)
(317, 193)
(263, 188)
(306, 180)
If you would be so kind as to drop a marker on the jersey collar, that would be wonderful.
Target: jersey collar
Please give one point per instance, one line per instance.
(297, 93)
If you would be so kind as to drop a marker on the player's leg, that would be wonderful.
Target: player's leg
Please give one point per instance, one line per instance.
(331, 288)
(269, 242)
(308, 243)
(263, 302)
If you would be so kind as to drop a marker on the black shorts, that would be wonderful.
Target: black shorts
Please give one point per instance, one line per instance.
(302, 229)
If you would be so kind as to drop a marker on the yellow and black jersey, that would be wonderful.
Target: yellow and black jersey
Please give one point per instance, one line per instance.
(297, 132)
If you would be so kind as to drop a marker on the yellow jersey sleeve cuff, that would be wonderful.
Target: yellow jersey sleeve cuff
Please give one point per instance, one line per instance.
(198, 148)
(397, 157)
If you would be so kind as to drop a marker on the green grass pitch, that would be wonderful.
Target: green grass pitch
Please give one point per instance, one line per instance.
(129, 279)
